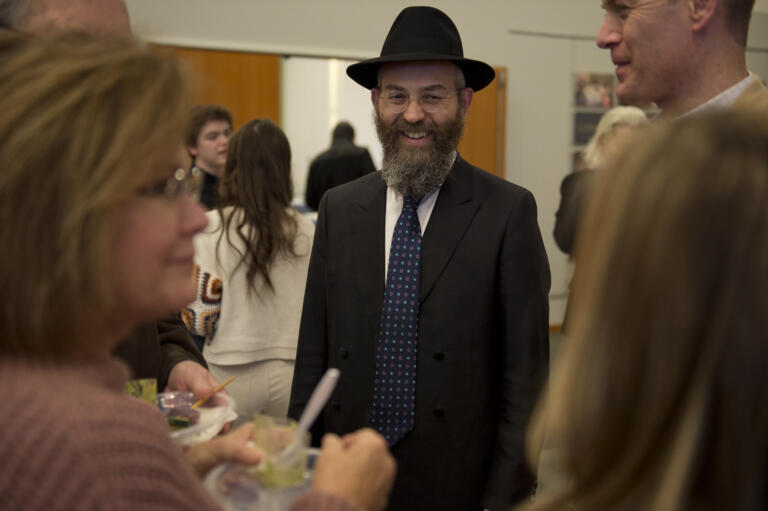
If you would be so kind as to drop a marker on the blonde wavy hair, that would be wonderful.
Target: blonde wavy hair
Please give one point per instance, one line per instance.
(658, 401)
(630, 116)
(85, 125)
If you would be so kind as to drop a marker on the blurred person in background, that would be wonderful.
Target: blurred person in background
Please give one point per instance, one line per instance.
(658, 400)
(251, 271)
(95, 212)
(160, 350)
(207, 139)
(614, 130)
(342, 162)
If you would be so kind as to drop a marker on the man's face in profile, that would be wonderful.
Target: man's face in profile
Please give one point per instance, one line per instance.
(647, 41)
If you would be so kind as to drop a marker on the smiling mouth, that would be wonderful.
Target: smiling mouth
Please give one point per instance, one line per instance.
(416, 135)
(621, 69)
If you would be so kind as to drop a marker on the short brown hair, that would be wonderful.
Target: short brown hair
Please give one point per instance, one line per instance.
(85, 126)
(739, 12)
(202, 115)
(659, 399)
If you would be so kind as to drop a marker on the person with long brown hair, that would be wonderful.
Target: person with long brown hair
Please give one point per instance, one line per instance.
(659, 401)
(252, 269)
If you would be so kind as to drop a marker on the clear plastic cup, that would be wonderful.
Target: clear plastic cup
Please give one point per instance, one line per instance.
(272, 435)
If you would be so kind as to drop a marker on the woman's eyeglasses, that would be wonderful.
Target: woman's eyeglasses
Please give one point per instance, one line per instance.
(431, 102)
(181, 182)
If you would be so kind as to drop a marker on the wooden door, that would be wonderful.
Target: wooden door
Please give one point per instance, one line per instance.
(248, 84)
(484, 133)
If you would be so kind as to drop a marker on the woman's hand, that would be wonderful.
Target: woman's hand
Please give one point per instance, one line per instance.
(233, 446)
(358, 467)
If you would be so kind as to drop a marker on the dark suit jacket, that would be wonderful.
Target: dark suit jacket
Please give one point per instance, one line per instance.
(340, 164)
(152, 349)
(483, 348)
(574, 192)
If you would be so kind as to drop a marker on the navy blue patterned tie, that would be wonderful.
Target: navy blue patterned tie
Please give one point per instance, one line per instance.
(394, 390)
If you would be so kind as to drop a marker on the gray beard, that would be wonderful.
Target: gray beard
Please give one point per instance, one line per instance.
(418, 172)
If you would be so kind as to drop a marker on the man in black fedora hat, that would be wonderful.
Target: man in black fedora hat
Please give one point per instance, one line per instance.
(428, 288)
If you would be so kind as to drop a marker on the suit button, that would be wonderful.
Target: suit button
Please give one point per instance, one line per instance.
(343, 352)
(438, 412)
(439, 355)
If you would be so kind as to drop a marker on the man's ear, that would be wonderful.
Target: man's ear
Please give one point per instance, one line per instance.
(467, 93)
(192, 151)
(701, 13)
(374, 95)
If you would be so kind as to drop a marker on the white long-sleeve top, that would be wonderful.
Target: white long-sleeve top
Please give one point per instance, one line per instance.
(240, 327)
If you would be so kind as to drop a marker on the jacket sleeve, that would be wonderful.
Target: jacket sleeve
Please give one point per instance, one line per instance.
(176, 345)
(574, 193)
(311, 354)
(140, 350)
(524, 282)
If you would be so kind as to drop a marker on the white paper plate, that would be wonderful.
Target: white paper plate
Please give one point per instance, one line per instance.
(214, 414)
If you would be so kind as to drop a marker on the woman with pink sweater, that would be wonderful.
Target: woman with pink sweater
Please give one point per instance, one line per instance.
(97, 228)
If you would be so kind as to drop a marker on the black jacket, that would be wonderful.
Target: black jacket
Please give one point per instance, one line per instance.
(483, 341)
(340, 164)
(152, 349)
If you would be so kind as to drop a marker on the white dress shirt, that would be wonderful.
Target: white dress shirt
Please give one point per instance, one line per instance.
(722, 100)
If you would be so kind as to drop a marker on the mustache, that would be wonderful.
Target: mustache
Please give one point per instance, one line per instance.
(402, 125)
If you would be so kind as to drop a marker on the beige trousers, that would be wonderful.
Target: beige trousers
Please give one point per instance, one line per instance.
(260, 387)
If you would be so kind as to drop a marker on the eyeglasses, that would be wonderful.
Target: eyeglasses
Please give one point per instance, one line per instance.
(181, 182)
(430, 102)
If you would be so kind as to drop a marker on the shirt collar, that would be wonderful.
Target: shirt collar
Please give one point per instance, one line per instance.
(722, 100)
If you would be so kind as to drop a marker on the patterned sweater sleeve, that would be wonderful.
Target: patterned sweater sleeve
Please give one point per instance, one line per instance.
(201, 316)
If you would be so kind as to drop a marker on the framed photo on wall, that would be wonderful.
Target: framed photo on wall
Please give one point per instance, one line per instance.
(593, 90)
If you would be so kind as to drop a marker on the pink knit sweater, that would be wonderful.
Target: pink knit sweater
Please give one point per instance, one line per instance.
(70, 440)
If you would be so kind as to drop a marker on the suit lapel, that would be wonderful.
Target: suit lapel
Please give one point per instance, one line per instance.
(368, 232)
(453, 212)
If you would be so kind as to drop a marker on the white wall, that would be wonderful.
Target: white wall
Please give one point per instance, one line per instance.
(539, 41)
(316, 94)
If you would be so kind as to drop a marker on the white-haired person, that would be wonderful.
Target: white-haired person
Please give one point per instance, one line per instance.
(97, 227)
(613, 130)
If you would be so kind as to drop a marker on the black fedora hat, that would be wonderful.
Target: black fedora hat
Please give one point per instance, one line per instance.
(422, 33)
